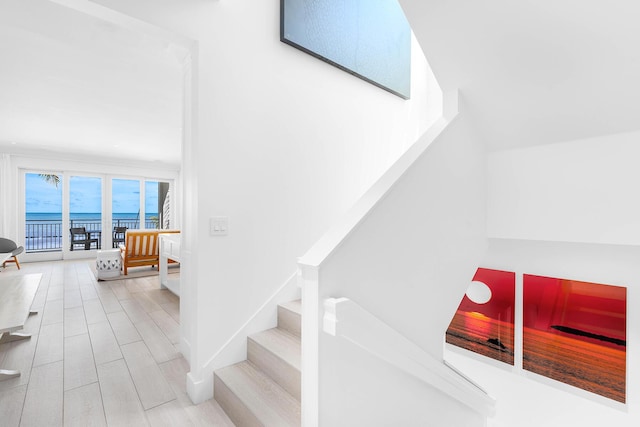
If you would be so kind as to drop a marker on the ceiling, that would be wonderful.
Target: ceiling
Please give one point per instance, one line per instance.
(536, 72)
(77, 84)
(529, 73)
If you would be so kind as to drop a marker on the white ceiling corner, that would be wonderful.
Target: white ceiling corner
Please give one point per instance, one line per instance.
(73, 82)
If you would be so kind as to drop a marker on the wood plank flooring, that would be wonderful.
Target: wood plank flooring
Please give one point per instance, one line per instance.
(101, 354)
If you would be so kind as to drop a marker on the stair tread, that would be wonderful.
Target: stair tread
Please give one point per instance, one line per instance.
(269, 402)
(282, 343)
(294, 306)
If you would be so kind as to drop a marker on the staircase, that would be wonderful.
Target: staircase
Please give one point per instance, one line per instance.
(264, 390)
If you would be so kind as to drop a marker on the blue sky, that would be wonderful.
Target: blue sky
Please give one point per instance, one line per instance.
(41, 196)
(85, 195)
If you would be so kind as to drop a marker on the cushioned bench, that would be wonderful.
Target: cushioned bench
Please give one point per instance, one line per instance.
(140, 248)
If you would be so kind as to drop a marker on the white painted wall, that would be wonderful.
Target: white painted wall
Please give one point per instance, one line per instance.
(284, 144)
(565, 210)
(365, 391)
(577, 191)
(407, 263)
(528, 400)
(370, 344)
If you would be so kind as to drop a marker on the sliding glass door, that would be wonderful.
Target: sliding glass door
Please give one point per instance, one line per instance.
(137, 204)
(125, 208)
(43, 212)
(157, 204)
(69, 214)
(125, 203)
(85, 213)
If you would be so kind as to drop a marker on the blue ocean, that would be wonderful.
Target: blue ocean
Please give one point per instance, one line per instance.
(44, 230)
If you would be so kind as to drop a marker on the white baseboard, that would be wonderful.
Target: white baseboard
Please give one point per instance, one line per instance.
(199, 390)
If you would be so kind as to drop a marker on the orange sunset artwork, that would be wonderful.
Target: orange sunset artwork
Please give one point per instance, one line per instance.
(484, 320)
(572, 331)
(575, 332)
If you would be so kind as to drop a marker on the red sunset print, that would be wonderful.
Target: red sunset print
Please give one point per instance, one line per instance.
(575, 332)
(487, 328)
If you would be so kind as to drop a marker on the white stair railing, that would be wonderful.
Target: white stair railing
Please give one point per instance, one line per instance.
(346, 319)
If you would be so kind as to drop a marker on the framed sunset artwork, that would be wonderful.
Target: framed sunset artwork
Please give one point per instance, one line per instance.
(575, 332)
(484, 320)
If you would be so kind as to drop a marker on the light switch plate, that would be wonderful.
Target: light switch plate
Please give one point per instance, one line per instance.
(219, 226)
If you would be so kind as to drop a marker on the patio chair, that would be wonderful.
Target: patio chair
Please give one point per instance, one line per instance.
(141, 248)
(118, 235)
(80, 236)
(9, 246)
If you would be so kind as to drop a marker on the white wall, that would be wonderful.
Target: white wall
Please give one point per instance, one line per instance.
(565, 210)
(284, 144)
(528, 400)
(407, 263)
(369, 392)
(578, 191)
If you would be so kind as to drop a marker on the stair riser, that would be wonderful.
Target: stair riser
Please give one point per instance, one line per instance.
(287, 376)
(233, 406)
(289, 321)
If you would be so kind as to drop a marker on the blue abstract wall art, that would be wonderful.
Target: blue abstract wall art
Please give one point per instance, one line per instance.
(370, 39)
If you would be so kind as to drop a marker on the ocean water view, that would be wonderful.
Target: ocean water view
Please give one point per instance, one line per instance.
(87, 216)
(44, 230)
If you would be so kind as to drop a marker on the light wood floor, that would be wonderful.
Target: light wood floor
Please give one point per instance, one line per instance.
(102, 353)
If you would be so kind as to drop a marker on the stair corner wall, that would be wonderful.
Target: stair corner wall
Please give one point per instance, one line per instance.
(405, 252)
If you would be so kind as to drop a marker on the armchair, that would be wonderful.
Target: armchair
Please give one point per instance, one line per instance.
(141, 248)
(9, 246)
(80, 236)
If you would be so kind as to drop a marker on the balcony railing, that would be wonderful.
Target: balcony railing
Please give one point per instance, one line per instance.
(43, 235)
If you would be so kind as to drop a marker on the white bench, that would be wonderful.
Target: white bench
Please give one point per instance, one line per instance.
(16, 298)
(169, 250)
